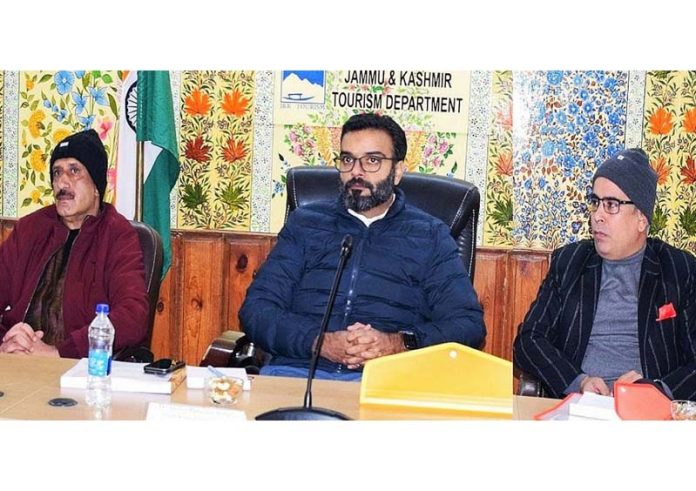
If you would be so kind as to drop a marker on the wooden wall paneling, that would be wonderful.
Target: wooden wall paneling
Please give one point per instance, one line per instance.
(527, 271)
(167, 333)
(201, 307)
(490, 282)
(245, 256)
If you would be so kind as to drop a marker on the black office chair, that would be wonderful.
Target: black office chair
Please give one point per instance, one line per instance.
(530, 386)
(454, 201)
(153, 256)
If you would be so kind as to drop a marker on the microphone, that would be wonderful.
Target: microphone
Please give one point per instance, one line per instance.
(307, 412)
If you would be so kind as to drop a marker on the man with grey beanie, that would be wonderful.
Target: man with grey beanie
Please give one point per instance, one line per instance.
(62, 260)
(620, 307)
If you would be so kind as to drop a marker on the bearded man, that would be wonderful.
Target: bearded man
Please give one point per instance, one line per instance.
(404, 286)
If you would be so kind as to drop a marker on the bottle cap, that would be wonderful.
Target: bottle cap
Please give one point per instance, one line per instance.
(102, 308)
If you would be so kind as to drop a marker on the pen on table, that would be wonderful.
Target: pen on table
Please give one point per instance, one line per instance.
(218, 373)
(215, 371)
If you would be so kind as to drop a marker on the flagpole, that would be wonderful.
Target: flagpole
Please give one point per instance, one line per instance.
(139, 166)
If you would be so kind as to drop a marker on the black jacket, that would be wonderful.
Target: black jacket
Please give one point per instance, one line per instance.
(553, 337)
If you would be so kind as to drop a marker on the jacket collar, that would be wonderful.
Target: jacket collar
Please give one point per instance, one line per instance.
(650, 265)
(89, 223)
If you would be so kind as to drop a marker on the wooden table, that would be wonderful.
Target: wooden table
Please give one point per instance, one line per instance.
(29, 382)
(525, 408)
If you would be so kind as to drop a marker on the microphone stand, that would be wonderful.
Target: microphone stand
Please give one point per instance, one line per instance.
(307, 412)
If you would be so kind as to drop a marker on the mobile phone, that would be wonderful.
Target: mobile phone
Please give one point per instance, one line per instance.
(163, 366)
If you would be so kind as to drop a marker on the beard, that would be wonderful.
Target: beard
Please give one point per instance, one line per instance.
(379, 193)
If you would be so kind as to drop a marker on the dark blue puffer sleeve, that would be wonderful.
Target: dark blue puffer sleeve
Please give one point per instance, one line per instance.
(455, 312)
(266, 313)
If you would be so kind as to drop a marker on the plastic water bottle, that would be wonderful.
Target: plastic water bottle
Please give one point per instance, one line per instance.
(101, 341)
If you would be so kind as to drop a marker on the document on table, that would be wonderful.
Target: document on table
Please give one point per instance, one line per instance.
(157, 411)
(593, 406)
(125, 377)
(588, 406)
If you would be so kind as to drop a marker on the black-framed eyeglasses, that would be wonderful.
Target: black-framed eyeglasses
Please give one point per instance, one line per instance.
(369, 162)
(611, 205)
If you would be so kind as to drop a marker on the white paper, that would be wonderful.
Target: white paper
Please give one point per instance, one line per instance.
(593, 406)
(157, 411)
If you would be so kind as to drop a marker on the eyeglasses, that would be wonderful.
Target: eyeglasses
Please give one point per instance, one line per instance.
(611, 205)
(369, 163)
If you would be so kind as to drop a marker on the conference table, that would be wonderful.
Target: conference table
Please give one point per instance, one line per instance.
(524, 407)
(30, 382)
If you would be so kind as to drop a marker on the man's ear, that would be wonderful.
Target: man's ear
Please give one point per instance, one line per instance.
(643, 224)
(398, 171)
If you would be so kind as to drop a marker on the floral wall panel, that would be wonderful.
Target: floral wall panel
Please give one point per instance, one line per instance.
(499, 204)
(311, 106)
(565, 123)
(10, 142)
(263, 152)
(216, 150)
(669, 137)
(53, 105)
(2, 119)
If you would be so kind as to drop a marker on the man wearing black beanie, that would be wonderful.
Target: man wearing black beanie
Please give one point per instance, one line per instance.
(78, 176)
(62, 260)
(620, 307)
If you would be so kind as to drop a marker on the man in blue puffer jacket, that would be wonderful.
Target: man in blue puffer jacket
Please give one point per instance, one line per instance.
(404, 286)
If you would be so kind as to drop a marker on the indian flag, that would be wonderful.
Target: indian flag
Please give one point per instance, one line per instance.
(147, 115)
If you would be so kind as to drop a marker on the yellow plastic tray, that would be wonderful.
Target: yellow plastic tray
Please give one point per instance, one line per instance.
(445, 377)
